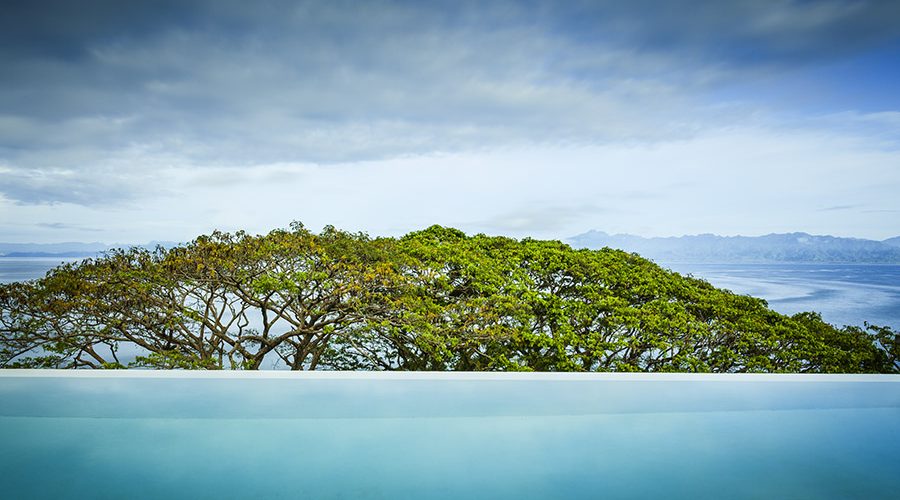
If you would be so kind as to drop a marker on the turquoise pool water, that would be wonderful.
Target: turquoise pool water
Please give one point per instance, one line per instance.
(320, 435)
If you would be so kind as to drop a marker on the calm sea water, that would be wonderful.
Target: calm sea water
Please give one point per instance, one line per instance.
(449, 437)
(22, 268)
(845, 294)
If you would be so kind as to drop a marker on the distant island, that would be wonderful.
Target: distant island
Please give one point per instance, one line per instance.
(771, 248)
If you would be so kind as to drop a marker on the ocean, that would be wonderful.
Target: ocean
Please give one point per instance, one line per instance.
(28, 268)
(845, 294)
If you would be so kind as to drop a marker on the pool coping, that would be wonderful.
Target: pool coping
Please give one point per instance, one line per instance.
(415, 375)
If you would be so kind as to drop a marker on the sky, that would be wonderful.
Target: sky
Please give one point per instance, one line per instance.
(125, 122)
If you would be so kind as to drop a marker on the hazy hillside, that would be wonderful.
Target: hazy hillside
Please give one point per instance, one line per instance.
(51, 249)
(68, 249)
(791, 247)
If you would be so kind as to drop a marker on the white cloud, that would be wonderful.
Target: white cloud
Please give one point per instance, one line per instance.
(743, 181)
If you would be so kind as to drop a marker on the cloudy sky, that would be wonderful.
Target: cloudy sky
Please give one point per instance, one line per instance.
(132, 121)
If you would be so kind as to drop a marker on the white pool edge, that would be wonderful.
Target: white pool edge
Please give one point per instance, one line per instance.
(505, 376)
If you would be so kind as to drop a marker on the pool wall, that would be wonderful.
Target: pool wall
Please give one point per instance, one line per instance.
(188, 434)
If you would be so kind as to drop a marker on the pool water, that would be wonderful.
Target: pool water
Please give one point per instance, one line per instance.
(442, 436)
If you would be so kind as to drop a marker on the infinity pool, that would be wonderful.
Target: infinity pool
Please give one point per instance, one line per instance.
(447, 436)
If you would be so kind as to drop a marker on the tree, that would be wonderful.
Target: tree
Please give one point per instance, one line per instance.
(434, 299)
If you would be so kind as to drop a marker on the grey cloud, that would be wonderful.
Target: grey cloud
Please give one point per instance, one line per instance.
(838, 208)
(61, 186)
(769, 33)
(103, 183)
(98, 97)
(65, 226)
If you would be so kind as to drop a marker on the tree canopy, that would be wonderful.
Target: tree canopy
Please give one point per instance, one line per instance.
(434, 299)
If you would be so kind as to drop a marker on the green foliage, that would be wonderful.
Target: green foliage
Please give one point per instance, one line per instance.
(435, 299)
(173, 360)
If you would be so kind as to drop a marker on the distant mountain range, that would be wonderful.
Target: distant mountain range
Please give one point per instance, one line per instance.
(790, 247)
(68, 249)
